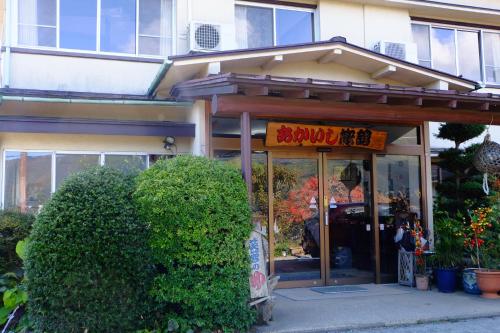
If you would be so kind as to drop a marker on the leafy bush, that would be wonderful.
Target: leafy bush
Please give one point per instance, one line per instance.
(13, 294)
(199, 216)
(14, 226)
(449, 242)
(87, 257)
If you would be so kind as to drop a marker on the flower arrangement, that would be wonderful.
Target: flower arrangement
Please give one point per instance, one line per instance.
(418, 234)
(476, 232)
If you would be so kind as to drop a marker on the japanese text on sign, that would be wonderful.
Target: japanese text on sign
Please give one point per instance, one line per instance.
(258, 279)
(284, 134)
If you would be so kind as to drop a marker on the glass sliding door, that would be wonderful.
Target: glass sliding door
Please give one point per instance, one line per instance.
(297, 224)
(349, 227)
(399, 201)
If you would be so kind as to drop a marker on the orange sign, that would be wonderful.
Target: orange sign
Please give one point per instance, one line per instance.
(285, 134)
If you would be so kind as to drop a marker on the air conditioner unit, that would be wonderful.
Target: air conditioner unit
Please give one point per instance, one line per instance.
(398, 50)
(205, 37)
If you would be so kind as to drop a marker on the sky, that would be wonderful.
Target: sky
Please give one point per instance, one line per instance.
(440, 143)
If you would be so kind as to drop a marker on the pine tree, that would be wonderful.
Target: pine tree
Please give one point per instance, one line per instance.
(462, 190)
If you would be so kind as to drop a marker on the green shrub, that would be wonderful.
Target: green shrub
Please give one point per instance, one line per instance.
(87, 257)
(199, 216)
(14, 226)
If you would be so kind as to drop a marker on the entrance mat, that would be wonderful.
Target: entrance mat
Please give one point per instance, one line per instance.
(339, 289)
(371, 290)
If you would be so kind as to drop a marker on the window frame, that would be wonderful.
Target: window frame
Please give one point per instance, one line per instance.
(274, 7)
(53, 154)
(97, 51)
(456, 28)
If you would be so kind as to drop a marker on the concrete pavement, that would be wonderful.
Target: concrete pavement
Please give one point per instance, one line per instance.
(481, 325)
(304, 310)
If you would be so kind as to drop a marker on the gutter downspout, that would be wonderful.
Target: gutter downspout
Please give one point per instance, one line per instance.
(93, 101)
(159, 76)
(6, 60)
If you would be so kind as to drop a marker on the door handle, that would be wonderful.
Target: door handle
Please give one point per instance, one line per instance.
(325, 207)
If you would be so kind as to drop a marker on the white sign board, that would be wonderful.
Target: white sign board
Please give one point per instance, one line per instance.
(258, 277)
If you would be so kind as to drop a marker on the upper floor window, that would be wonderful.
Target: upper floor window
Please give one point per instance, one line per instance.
(136, 27)
(458, 51)
(259, 26)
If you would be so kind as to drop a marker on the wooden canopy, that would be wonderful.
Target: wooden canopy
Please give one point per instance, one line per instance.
(287, 97)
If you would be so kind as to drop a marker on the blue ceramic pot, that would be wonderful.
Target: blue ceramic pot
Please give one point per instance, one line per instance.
(446, 279)
(469, 281)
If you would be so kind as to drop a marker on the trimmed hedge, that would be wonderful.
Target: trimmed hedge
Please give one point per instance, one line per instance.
(87, 258)
(14, 226)
(199, 216)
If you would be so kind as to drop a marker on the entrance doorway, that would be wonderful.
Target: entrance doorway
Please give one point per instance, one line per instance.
(321, 212)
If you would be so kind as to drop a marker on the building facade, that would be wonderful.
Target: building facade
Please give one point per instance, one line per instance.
(324, 104)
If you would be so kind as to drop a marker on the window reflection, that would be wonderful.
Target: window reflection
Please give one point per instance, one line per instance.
(443, 50)
(421, 38)
(118, 26)
(492, 56)
(129, 164)
(468, 55)
(257, 26)
(68, 164)
(27, 180)
(293, 27)
(398, 197)
(78, 21)
(254, 27)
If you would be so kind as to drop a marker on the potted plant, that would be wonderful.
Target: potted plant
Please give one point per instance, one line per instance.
(421, 278)
(449, 249)
(483, 242)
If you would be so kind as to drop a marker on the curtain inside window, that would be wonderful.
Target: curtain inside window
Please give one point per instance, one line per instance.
(254, 27)
(28, 32)
(492, 57)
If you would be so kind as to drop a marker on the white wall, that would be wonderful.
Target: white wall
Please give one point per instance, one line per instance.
(30, 71)
(363, 25)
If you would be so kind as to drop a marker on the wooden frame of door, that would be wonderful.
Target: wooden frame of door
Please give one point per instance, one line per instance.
(217, 143)
(296, 154)
(348, 156)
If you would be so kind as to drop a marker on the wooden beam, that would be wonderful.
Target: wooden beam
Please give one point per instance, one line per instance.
(246, 151)
(303, 93)
(405, 101)
(272, 62)
(377, 99)
(268, 107)
(330, 56)
(485, 107)
(335, 97)
(201, 92)
(256, 91)
(383, 72)
(438, 84)
(445, 103)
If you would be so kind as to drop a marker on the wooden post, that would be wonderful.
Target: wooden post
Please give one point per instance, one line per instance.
(23, 182)
(246, 151)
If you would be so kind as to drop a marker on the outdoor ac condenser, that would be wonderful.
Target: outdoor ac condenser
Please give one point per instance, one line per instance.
(398, 50)
(205, 37)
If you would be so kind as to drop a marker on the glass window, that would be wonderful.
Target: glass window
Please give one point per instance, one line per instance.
(118, 26)
(254, 27)
(37, 22)
(68, 164)
(421, 38)
(155, 30)
(126, 163)
(293, 27)
(443, 50)
(492, 56)
(27, 180)
(469, 65)
(398, 197)
(78, 21)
